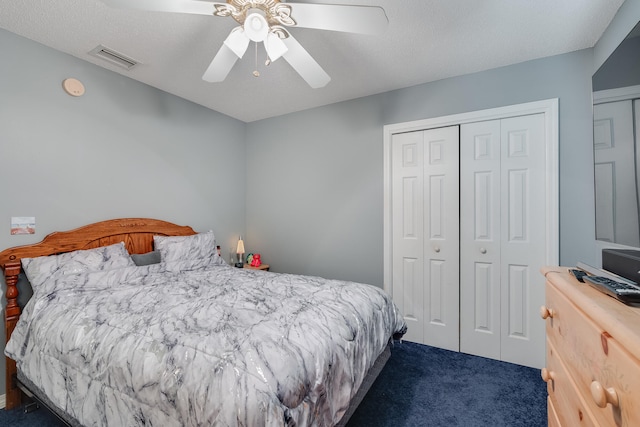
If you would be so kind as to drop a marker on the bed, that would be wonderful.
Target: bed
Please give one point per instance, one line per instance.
(138, 321)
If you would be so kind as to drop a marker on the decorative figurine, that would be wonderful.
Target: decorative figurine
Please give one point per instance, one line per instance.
(255, 261)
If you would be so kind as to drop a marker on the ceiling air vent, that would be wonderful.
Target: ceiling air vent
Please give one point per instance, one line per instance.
(114, 57)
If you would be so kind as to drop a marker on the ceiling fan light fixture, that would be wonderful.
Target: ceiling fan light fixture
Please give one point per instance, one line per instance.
(237, 41)
(275, 47)
(256, 27)
(267, 21)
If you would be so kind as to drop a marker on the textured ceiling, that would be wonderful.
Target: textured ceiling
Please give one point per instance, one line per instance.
(426, 40)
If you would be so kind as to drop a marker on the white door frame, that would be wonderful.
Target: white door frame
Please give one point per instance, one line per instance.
(618, 94)
(548, 107)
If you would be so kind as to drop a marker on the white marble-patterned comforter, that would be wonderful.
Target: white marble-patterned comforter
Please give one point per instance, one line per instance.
(216, 346)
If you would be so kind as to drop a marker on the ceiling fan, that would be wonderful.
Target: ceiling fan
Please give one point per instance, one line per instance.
(267, 21)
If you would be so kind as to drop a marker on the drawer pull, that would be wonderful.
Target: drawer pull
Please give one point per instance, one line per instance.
(602, 395)
(547, 375)
(546, 312)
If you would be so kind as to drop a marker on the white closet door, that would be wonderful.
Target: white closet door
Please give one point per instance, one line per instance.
(480, 239)
(615, 174)
(425, 249)
(442, 238)
(503, 239)
(523, 239)
(407, 163)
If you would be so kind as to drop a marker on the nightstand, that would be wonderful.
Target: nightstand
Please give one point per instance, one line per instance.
(264, 267)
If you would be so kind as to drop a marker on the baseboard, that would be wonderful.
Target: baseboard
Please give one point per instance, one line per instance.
(3, 401)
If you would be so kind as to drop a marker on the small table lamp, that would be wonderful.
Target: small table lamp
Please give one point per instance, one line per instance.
(240, 252)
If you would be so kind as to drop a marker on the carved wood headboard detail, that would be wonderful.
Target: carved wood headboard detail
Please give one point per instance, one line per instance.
(136, 233)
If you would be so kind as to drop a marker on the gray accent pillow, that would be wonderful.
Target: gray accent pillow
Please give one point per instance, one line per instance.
(149, 258)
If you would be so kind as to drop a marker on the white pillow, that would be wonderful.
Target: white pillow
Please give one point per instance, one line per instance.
(41, 269)
(199, 249)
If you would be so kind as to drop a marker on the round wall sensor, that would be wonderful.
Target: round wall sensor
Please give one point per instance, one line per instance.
(73, 87)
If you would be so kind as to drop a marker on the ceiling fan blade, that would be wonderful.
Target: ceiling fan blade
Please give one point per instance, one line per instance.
(304, 64)
(180, 6)
(221, 65)
(346, 18)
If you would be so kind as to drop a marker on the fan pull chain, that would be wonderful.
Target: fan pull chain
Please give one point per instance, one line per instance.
(256, 73)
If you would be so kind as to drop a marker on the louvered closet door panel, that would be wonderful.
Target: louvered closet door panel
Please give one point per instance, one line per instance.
(441, 250)
(480, 239)
(408, 232)
(523, 240)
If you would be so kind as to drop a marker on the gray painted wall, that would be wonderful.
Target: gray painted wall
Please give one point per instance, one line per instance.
(124, 149)
(314, 178)
(317, 203)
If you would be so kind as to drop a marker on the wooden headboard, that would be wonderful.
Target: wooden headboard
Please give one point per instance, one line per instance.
(136, 233)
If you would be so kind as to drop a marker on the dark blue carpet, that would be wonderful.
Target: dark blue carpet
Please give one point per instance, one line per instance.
(424, 386)
(427, 386)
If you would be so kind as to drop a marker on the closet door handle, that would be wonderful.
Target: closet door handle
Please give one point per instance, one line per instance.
(437, 249)
(483, 250)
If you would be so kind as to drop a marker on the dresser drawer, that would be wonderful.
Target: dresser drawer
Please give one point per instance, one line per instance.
(552, 416)
(569, 407)
(594, 360)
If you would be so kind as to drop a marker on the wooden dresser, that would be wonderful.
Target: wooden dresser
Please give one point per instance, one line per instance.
(593, 355)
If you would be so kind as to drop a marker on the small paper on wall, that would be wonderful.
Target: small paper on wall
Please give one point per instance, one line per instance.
(23, 225)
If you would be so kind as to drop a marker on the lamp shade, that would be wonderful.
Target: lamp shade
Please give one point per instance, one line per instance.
(240, 248)
(256, 27)
(275, 47)
(237, 41)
